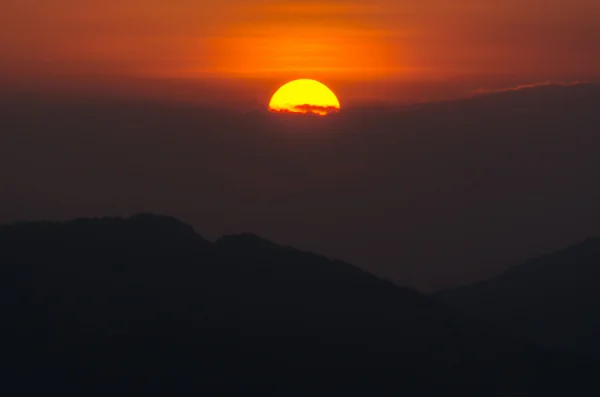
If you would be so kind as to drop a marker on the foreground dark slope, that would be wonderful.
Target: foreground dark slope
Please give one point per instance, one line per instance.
(553, 300)
(147, 297)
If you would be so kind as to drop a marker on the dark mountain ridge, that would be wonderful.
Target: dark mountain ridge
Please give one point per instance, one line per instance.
(552, 300)
(146, 298)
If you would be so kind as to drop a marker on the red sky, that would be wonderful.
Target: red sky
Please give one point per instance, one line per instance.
(359, 46)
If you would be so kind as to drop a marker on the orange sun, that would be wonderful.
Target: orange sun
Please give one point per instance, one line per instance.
(304, 96)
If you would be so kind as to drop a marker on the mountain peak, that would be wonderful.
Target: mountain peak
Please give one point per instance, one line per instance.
(165, 224)
(143, 226)
(592, 240)
(551, 299)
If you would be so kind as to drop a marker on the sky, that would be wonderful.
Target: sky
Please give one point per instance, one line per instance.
(113, 108)
(358, 46)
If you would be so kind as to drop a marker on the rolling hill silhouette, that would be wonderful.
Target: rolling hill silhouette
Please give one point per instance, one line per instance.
(146, 298)
(553, 300)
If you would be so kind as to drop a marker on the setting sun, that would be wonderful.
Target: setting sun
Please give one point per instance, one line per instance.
(305, 96)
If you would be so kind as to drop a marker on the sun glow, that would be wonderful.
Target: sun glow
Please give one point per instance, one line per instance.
(304, 96)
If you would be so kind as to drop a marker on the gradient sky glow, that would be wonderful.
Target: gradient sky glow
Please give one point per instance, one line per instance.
(353, 40)
(116, 107)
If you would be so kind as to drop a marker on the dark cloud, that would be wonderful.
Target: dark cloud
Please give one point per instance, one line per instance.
(316, 109)
(309, 109)
(528, 86)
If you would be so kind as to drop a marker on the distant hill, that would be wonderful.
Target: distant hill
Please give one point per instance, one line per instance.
(553, 300)
(146, 298)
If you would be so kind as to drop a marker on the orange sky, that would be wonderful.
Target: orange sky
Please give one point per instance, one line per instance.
(349, 40)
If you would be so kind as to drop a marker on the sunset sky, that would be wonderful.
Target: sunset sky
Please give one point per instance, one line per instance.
(115, 107)
(351, 43)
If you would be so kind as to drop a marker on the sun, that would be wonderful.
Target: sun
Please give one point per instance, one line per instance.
(304, 96)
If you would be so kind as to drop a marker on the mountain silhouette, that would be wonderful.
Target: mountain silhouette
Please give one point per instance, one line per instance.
(146, 299)
(553, 300)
